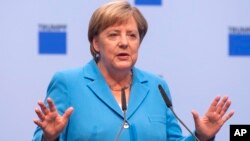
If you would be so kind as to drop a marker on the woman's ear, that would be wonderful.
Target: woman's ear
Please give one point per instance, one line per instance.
(95, 44)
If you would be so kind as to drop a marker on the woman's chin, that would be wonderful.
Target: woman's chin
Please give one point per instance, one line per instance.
(124, 65)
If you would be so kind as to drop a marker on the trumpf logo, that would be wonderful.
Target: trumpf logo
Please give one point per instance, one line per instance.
(52, 39)
(239, 41)
(148, 2)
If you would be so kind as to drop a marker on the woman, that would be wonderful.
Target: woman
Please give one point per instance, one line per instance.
(116, 31)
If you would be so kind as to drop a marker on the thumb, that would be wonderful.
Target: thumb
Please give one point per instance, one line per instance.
(195, 116)
(68, 113)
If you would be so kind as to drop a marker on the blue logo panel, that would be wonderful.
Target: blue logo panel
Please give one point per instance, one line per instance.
(52, 42)
(148, 2)
(239, 44)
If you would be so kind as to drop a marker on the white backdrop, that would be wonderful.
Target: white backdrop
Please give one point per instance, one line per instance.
(187, 43)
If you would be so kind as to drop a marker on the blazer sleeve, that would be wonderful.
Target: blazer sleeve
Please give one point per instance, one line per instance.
(58, 92)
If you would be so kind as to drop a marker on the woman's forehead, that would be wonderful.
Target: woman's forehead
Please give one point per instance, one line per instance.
(121, 22)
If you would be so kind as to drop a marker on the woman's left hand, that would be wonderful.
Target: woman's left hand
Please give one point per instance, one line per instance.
(215, 117)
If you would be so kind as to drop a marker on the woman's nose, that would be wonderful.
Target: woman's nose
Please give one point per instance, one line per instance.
(123, 42)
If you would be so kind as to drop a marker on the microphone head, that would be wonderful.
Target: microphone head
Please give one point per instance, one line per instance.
(123, 98)
(165, 97)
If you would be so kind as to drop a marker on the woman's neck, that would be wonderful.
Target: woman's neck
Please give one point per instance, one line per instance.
(116, 79)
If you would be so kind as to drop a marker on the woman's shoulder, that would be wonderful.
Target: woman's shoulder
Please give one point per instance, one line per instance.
(151, 79)
(70, 73)
(76, 71)
(147, 75)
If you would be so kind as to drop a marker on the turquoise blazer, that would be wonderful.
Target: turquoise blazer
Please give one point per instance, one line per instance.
(98, 117)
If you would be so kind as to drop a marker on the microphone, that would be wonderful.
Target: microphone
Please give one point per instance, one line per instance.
(170, 106)
(123, 99)
(124, 109)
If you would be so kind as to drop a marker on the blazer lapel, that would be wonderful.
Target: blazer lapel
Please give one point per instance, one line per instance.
(100, 88)
(138, 92)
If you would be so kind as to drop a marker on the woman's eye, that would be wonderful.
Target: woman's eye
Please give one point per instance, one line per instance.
(113, 34)
(133, 35)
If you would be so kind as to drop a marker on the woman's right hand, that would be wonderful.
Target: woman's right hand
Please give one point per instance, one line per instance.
(51, 122)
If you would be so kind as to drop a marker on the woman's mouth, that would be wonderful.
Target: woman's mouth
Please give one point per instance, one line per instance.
(123, 56)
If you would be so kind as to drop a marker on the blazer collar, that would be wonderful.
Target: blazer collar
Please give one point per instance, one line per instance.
(100, 88)
(138, 91)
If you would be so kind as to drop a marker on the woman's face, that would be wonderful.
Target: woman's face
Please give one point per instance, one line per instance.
(118, 45)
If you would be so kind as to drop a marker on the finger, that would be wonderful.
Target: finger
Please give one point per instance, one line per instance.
(213, 105)
(225, 108)
(44, 109)
(38, 123)
(51, 104)
(40, 114)
(221, 104)
(68, 113)
(228, 116)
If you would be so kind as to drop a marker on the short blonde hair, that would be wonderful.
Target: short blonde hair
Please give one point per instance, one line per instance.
(114, 12)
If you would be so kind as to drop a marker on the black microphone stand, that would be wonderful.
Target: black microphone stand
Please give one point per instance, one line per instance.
(169, 105)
